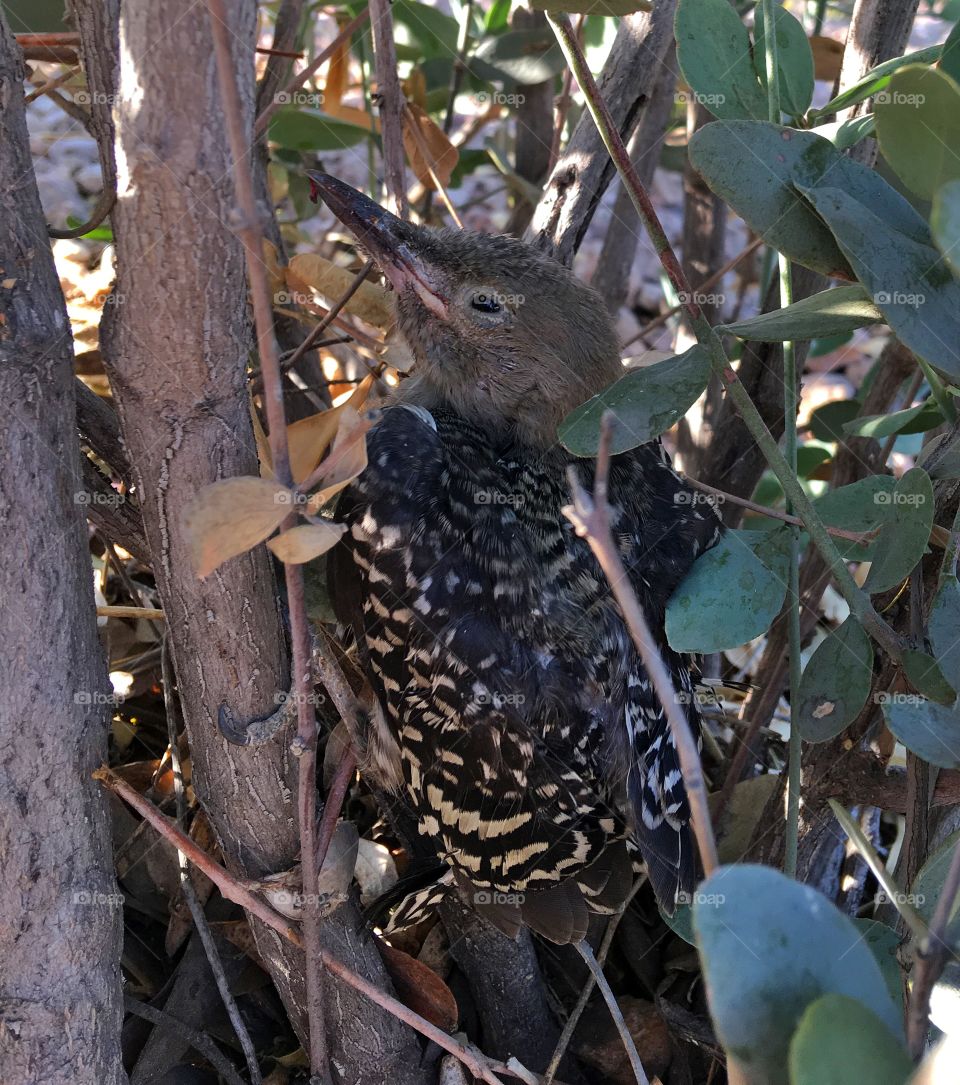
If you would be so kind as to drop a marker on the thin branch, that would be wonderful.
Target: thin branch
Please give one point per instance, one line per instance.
(305, 745)
(390, 102)
(583, 948)
(186, 885)
(591, 518)
(332, 803)
(308, 72)
(421, 143)
(932, 958)
(200, 1040)
(475, 1061)
(98, 216)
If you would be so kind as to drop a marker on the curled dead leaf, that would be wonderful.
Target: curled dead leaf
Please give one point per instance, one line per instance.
(310, 271)
(348, 456)
(428, 147)
(306, 541)
(420, 988)
(231, 516)
(309, 438)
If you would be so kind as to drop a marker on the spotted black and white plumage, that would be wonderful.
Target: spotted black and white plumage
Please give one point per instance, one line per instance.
(533, 751)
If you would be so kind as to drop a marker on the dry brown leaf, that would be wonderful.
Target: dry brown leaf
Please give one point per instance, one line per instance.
(414, 88)
(231, 516)
(306, 541)
(371, 302)
(827, 57)
(335, 86)
(348, 457)
(431, 151)
(420, 988)
(309, 438)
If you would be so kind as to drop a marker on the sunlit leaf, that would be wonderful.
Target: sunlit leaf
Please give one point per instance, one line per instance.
(842, 309)
(305, 541)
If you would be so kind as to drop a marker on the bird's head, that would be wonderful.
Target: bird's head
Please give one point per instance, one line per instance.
(505, 336)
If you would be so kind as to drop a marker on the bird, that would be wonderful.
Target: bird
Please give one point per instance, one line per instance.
(513, 718)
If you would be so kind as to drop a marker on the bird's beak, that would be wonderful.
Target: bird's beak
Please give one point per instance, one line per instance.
(388, 239)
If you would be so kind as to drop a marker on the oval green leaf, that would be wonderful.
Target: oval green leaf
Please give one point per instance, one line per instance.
(927, 678)
(769, 948)
(943, 629)
(928, 729)
(311, 130)
(945, 222)
(839, 1041)
(927, 887)
(794, 59)
(713, 50)
(645, 402)
(731, 594)
(910, 420)
(861, 506)
(875, 80)
(918, 126)
(830, 312)
(835, 684)
(904, 536)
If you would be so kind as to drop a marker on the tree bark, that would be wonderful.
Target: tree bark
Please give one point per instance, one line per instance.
(584, 170)
(60, 910)
(175, 352)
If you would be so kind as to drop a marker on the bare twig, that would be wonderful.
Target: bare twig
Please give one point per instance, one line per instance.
(200, 1040)
(234, 890)
(333, 801)
(563, 108)
(577, 1012)
(311, 70)
(186, 885)
(931, 959)
(591, 518)
(149, 613)
(583, 948)
(105, 202)
(300, 682)
(390, 102)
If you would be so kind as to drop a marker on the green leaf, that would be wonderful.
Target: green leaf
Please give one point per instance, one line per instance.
(928, 729)
(794, 60)
(926, 677)
(838, 1041)
(751, 165)
(950, 58)
(646, 402)
(910, 420)
(434, 31)
(945, 222)
(498, 16)
(875, 80)
(918, 126)
(770, 947)
(928, 885)
(904, 537)
(906, 275)
(884, 941)
(827, 423)
(311, 130)
(731, 594)
(846, 134)
(98, 233)
(524, 56)
(713, 50)
(943, 629)
(828, 313)
(835, 684)
(861, 506)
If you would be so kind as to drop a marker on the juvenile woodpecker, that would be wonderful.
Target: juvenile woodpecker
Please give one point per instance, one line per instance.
(518, 723)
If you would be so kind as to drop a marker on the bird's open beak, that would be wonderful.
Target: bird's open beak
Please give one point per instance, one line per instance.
(388, 239)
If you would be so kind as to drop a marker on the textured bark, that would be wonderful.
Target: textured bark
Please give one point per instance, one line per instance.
(60, 915)
(612, 276)
(175, 352)
(879, 30)
(584, 169)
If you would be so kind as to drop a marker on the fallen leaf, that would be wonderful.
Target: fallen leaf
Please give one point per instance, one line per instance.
(231, 516)
(371, 302)
(428, 147)
(420, 989)
(306, 541)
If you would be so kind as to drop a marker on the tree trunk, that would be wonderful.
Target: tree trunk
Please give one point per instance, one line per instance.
(175, 350)
(60, 910)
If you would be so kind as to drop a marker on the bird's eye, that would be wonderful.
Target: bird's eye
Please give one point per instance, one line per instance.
(485, 302)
